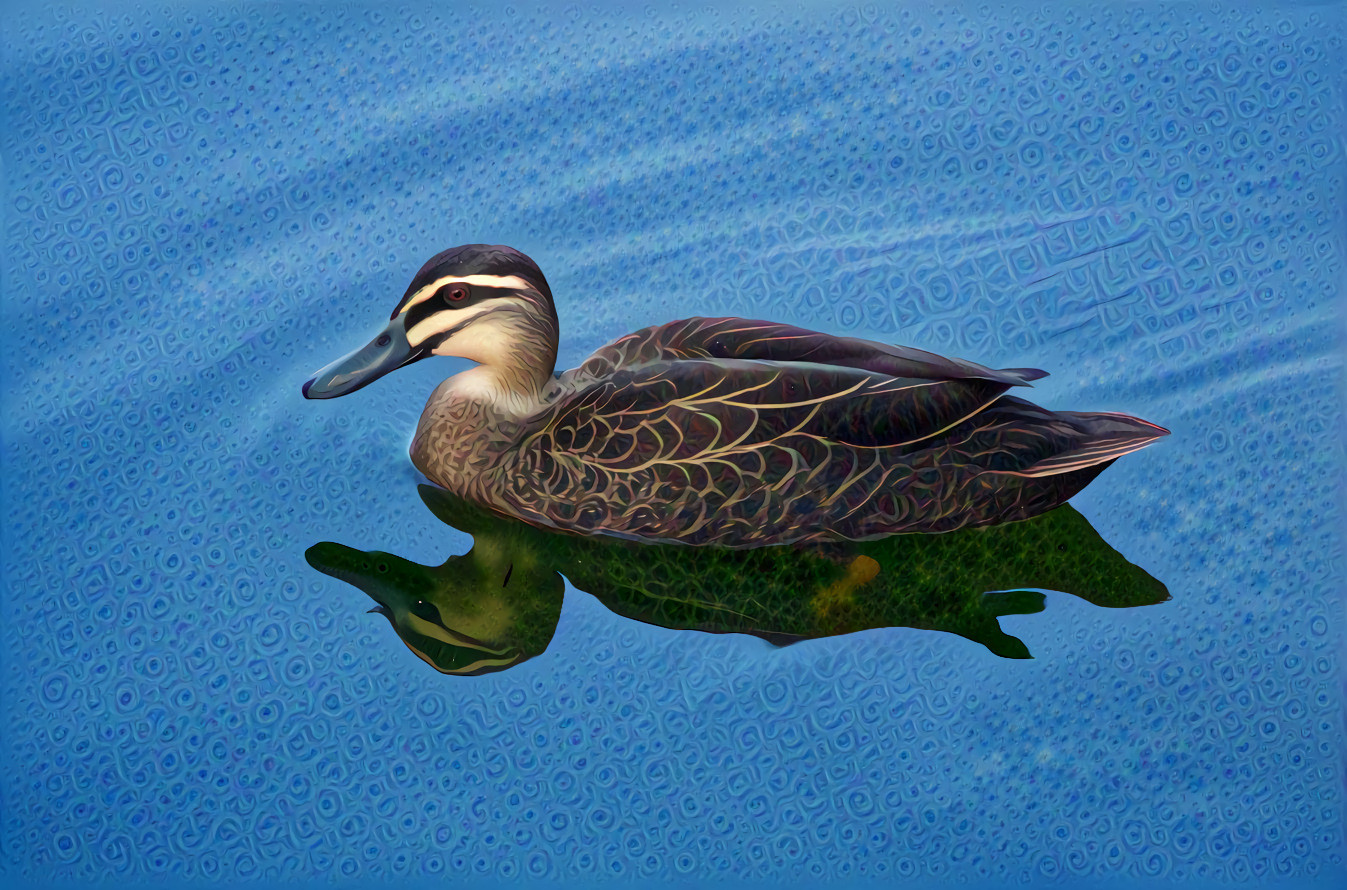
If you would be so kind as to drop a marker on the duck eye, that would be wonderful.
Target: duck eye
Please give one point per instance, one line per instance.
(452, 293)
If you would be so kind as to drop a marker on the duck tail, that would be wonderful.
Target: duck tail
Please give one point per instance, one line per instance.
(1024, 375)
(1104, 437)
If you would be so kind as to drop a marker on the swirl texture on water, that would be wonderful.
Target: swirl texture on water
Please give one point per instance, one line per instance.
(203, 204)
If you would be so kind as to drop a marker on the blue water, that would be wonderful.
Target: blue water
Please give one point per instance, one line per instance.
(204, 204)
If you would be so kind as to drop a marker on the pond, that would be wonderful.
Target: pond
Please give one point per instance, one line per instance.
(204, 204)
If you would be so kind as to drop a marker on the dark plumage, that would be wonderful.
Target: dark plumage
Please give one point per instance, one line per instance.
(726, 431)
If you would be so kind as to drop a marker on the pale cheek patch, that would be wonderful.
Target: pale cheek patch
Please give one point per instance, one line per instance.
(488, 342)
(441, 322)
(510, 282)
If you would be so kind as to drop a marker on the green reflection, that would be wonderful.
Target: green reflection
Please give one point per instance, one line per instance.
(498, 604)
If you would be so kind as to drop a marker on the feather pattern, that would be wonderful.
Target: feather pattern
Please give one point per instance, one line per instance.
(717, 431)
(740, 434)
(771, 341)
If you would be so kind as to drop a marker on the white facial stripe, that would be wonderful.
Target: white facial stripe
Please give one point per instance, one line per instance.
(513, 282)
(443, 321)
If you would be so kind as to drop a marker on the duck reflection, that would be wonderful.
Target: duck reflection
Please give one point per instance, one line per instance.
(499, 603)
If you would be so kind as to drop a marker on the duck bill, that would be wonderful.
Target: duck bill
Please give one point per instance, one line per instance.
(386, 352)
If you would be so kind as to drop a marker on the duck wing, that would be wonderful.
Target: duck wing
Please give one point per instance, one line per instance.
(741, 338)
(727, 450)
(695, 409)
(743, 453)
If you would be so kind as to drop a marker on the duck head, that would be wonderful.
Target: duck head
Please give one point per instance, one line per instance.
(472, 615)
(488, 303)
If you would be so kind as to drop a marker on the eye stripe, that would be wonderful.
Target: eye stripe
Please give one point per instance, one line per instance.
(436, 302)
(426, 323)
(434, 316)
(506, 282)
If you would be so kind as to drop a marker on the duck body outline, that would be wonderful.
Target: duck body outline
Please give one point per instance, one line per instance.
(718, 431)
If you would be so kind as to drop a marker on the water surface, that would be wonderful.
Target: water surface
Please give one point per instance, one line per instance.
(204, 204)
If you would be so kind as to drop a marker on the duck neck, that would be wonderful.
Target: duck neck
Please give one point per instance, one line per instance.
(516, 356)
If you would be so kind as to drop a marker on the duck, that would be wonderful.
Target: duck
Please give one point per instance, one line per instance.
(725, 432)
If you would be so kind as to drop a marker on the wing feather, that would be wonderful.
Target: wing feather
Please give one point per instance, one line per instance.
(740, 338)
(697, 410)
(740, 433)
